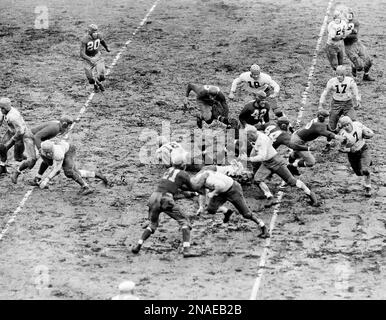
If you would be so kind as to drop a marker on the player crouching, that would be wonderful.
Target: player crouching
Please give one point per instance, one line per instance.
(358, 152)
(62, 155)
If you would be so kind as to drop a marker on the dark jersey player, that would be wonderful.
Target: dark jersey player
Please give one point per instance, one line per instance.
(316, 128)
(92, 58)
(162, 200)
(211, 101)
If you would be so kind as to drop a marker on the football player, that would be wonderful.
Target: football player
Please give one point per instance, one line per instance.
(162, 200)
(344, 90)
(358, 151)
(61, 156)
(272, 162)
(337, 30)
(18, 135)
(316, 128)
(222, 189)
(43, 132)
(92, 58)
(256, 81)
(211, 102)
(355, 50)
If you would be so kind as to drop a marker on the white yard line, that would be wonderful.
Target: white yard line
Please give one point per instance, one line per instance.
(265, 255)
(82, 110)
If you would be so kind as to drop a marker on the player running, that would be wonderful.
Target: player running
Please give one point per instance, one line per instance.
(344, 90)
(256, 112)
(337, 30)
(212, 104)
(222, 189)
(272, 162)
(89, 52)
(316, 128)
(257, 81)
(358, 151)
(355, 49)
(162, 200)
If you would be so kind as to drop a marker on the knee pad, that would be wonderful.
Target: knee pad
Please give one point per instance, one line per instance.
(91, 81)
(101, 78)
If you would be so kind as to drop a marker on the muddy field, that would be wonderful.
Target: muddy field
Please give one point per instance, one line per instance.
(65, 246)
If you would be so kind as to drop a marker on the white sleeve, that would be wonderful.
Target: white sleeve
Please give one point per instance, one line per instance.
(274, 84)
(236, 82)
(325, 92)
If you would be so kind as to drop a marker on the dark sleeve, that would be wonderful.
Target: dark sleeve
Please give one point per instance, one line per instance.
(192, 87)
(221, 98)
(244, 114)
(322, 131)
(293, 146)
(184, 181)
(46, 133)
(266, 116)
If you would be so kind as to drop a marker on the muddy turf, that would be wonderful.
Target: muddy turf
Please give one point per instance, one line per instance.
(66, 246)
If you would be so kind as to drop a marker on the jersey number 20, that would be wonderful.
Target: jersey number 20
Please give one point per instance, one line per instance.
(93, 45)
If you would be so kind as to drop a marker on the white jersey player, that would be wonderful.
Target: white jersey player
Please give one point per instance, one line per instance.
(358, 152)
(337, 30)
(256, 81)
(343, 89)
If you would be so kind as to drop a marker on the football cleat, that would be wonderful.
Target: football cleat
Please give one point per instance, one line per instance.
(314, 200)
(188, 253)
(136, 249)
(86, 190)
(367, 77)
(264, 232)
(227, 215)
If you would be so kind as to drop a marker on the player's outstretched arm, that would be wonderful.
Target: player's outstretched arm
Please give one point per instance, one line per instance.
(104, 44)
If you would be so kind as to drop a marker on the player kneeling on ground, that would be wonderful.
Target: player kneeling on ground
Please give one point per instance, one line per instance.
(62, 155)
(358, 151)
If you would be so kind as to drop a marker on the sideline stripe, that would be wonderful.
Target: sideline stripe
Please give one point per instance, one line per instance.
(82, 110)
(264, 256)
